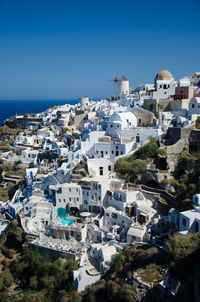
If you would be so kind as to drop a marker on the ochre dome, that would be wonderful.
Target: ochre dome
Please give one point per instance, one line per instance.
(164, 75)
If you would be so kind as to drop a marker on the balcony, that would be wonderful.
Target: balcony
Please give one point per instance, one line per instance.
(86, 185)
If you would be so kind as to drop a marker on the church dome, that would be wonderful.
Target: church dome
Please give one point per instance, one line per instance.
(164, 75)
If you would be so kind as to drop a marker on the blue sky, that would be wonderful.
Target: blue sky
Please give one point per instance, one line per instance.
(60, 49)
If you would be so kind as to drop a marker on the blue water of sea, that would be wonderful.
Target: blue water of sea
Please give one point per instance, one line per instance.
(10, 108)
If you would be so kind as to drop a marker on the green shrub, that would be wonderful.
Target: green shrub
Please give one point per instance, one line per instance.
(6, 279)
(127, 293)
(162, 152)
(130, 169)
(182, 246)
(149, 150)
(118, 262)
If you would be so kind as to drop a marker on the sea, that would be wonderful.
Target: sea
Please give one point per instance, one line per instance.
(10, 108)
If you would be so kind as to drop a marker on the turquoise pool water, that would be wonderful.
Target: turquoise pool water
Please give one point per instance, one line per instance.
(64, 221)
(37, 186)
(61, 212)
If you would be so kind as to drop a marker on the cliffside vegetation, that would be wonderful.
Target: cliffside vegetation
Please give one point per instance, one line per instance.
(185, 179)
(131, 166)
(27, 275)
(8, 170)
(7, 136)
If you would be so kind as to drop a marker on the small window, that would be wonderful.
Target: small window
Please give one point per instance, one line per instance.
(101, 170)
(59, 191)
(77, 199)
(70, 199)
(109, 168)
(111, 126)
(112, 152)
(121, 152)
(193, 105)
(59, 200)
(70, 189)
(184, 222)
(64, 200)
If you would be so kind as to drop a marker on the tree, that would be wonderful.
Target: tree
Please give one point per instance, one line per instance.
(130, 169)
(185, 253)
(33, 282)
(149, 150)
(118, 262)
(127, 293)
(6, 279)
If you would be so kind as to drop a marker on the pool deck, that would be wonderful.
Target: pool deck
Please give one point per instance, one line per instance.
(64, 247)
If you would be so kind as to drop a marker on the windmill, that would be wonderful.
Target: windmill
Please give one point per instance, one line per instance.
(115, 82)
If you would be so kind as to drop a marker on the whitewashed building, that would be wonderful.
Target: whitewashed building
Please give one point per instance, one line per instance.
(120, 121)
(189, 221)
(69, 195)
(194, 109)
(164, 85)
(99, 166)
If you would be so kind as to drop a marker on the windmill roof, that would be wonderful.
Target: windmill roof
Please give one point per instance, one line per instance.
(123, 78)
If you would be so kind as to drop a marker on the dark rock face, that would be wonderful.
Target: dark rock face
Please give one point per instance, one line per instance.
(161, 162)
(196, 283)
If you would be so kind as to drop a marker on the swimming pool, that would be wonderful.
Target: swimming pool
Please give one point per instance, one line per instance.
(64, 221)
(61, 212)
(37, 186)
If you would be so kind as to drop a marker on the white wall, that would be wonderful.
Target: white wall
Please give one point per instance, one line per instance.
(189, 221)
(93, 137)
(162, 93)
(69, 194)
(123, 88)
(110, 150)
(95, 164)
(143, 132)
(121, 219)
(119, 121)
(194, 109)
